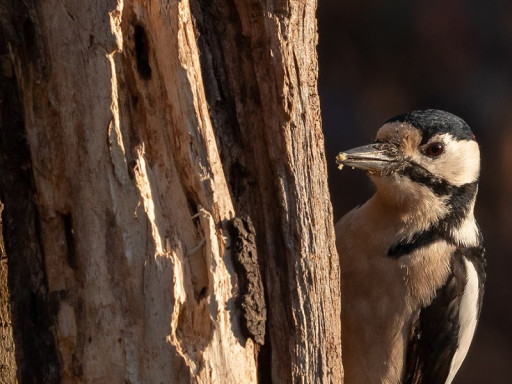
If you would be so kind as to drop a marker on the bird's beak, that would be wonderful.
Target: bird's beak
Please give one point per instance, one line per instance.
(378, 158)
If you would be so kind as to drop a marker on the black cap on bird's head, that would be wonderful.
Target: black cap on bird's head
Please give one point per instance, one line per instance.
(425, 145)
(435, 121)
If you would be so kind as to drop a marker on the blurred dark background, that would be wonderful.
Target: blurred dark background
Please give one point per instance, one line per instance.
(379, 59)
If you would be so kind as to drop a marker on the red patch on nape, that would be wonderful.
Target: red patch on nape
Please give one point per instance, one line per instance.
(474, 137)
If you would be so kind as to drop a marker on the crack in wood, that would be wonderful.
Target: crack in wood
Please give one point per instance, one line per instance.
(70, 240)
(251, 300)
(142, 52)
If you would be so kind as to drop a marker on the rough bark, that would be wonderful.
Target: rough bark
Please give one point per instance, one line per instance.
(7, 347)
(165, 190)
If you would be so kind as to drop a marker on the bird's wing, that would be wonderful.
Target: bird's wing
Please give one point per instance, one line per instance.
(434, 335)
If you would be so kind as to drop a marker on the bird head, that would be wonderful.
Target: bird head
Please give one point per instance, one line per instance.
(422, 156)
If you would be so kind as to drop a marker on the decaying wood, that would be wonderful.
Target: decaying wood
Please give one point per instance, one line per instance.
(151, 130)
(7, 347)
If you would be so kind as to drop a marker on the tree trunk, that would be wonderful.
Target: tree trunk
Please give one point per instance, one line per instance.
(7, 352)
(167, 217)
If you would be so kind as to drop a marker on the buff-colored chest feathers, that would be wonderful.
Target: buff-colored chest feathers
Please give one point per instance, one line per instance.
(380, 293)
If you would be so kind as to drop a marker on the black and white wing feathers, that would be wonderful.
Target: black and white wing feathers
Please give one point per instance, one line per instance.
(435, 335)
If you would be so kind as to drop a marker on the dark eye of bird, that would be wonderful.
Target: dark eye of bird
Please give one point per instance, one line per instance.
(435, 149)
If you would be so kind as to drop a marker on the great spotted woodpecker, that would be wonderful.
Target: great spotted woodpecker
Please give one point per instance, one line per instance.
(412, 256)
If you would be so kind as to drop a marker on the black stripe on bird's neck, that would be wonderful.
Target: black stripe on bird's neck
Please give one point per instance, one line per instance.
(460, 204)
(417, 241)
(421, 175)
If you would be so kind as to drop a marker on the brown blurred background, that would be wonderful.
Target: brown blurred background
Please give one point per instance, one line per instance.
(381, 58)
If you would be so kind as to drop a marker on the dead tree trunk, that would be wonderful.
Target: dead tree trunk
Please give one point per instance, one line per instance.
(166, 217)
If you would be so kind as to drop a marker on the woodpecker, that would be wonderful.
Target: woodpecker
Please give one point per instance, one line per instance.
(412, 256)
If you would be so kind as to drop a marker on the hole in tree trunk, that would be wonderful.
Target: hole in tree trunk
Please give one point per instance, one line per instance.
(142, 52)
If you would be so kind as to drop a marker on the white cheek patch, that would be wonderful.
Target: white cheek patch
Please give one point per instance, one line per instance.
(459, 164)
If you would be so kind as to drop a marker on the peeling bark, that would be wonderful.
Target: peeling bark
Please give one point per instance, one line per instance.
(143, 138)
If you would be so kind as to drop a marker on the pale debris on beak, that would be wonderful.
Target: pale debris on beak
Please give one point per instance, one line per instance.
(340, 159)
(378, 158)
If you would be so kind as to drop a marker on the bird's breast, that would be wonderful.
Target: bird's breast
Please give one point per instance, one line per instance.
(380, 293)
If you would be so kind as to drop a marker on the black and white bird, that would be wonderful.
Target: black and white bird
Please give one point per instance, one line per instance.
(412, 257)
